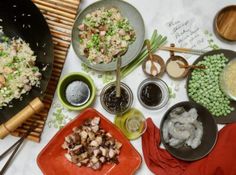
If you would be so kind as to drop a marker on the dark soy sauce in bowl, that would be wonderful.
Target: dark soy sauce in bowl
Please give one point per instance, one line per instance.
(151, 94)
(116, 104)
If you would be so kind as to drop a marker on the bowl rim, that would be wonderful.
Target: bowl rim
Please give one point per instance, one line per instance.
(161, 133)
(91, 65)
(93, 91)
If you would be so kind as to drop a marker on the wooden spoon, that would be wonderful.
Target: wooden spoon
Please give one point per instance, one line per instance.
(154, 70)
(118, 65)
(191, 66)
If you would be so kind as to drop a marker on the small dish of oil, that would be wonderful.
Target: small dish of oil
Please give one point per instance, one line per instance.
(132, 123)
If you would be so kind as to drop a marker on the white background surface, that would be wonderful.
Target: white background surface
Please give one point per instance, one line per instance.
(155, 13)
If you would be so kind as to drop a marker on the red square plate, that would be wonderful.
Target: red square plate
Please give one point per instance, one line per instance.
(52, 161)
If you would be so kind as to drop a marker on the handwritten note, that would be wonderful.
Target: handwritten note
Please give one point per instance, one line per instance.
(187, 33)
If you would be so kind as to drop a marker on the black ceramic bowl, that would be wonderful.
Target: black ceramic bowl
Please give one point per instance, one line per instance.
(210, 133)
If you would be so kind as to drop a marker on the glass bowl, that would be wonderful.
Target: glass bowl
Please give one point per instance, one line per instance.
(164, 93)
(112, 107)
(132, 123)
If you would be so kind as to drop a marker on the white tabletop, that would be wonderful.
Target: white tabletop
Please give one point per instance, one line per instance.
(169, 18)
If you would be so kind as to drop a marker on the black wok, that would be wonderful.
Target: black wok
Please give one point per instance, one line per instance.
(21, 18)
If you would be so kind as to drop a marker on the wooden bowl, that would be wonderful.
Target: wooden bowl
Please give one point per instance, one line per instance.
(157, 59)
(175, 57)
(225, 23)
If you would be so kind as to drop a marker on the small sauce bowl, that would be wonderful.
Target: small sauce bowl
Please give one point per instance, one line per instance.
(113, 104)
(153, 93)
(72, 88)
(157, 60)
(132, 123)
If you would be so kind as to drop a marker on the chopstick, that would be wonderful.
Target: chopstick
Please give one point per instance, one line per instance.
(184, 50)
(11, 157)
(9, 149)
(17, 145)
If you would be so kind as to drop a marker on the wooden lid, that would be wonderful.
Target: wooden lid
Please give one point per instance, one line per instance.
(225, 23)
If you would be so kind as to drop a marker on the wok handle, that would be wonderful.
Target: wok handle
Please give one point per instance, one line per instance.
(34, 106)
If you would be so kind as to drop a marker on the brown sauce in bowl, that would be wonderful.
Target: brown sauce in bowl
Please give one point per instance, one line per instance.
(116, 104)
(151, 94)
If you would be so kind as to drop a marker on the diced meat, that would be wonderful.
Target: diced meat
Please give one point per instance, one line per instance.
(102, 159)
(102, 33)
(27, 87)
(2, 81)
(68, 157)
(7, 70)
(91, 135)
(122, 32)
(95, 128)
(111, 153)
(95, 121)
(104, 151)
(84, 162)
(97, 166)
(83, 135)
(91, 146)
(99, 140)
(94, 143)
(81, 27)
(118, 145)
(94, 159)
(97, 152)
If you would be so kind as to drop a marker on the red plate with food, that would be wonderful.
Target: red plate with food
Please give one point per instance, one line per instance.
(89, 145)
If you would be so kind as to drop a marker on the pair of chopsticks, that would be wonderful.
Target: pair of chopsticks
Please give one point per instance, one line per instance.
(16, 147)
(183, 50)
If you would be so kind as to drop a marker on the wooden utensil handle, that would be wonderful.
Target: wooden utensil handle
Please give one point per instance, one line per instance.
(35, 106)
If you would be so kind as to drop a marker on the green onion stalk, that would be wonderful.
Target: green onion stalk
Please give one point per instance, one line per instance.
(156, 42)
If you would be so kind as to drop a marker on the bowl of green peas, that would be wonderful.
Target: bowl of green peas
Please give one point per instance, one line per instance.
(203, 85)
